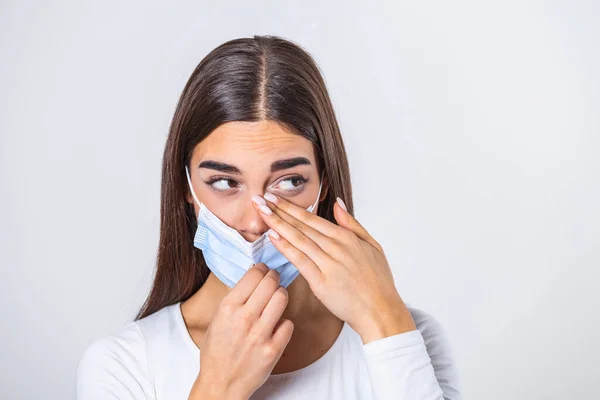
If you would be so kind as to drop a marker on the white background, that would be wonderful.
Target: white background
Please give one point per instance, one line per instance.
(473, 137)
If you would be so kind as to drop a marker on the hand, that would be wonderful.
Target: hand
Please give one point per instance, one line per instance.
(344, 266)
(245, 338)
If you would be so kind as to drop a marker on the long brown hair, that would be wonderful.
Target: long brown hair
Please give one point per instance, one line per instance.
(246, 79)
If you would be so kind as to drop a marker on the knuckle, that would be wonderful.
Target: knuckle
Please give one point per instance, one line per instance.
(246, 318)
(299, 225)
(270, 351)
(303, 239)
(227, 308)
(303, 258)
(253, 338)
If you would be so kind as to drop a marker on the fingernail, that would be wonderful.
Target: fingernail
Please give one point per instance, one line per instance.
(273, 234)
(265, 210)
(256, 199)
(341, 203)
(271, 197)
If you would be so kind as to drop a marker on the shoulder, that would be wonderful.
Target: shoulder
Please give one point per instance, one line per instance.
(127, 345)
(117, 365)
(114, 366)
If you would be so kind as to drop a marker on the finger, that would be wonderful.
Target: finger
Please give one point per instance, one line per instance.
(321, 225)
(345, 220)
(297, 233)
(309, 270)
(263, 293)
(273, 310)
(327, 244)
(283, 333)
(243, 289)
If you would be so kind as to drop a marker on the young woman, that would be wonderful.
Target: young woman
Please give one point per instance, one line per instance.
(266, 286)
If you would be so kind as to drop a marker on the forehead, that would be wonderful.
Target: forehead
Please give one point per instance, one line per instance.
(250, 140)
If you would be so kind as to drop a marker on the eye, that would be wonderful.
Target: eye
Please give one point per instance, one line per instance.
(221, 184)
(291, 184)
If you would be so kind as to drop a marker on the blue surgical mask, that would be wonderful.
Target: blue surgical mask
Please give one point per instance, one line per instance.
(229, 255)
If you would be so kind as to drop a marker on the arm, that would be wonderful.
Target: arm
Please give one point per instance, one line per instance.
(115, 367)
(413, 365)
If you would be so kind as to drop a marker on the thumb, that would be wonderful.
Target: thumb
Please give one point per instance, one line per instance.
(345, 220)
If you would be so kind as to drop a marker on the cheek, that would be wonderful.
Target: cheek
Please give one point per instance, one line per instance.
(227, 210)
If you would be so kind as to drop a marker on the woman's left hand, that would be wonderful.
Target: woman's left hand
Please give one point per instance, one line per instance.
(344, 266)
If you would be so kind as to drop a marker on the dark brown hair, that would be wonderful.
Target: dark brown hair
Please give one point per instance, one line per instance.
(246, 79)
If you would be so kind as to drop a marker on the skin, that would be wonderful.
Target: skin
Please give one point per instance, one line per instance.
(252, 147)
(344, 275)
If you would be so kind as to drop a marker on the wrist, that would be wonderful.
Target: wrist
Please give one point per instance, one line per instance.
(210, 389)
(386, 321)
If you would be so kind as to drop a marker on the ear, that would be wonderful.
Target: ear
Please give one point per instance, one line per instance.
(188, 197)
(324, 188)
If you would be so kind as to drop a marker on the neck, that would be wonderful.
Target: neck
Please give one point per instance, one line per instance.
(302, 305)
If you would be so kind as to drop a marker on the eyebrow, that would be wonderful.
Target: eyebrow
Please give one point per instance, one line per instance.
(275, 166)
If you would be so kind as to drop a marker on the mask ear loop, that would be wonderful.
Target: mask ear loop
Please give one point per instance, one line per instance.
(187, 175)
(311, 208)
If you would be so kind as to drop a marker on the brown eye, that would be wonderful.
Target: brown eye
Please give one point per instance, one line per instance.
(222, 184)
(290, 184)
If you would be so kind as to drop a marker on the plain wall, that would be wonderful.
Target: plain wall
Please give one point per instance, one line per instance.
(473, 136)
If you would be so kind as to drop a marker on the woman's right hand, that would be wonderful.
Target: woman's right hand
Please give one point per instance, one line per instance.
(245, 338)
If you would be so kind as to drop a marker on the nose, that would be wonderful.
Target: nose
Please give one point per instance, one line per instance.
(251, 225)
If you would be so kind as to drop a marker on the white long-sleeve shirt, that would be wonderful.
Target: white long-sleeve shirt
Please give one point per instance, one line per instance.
(155, 358)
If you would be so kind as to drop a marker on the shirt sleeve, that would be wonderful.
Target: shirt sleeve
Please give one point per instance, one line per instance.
(115, 367)
(413, 365)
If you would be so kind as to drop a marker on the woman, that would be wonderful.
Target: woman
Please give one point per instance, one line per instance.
(266, 286)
